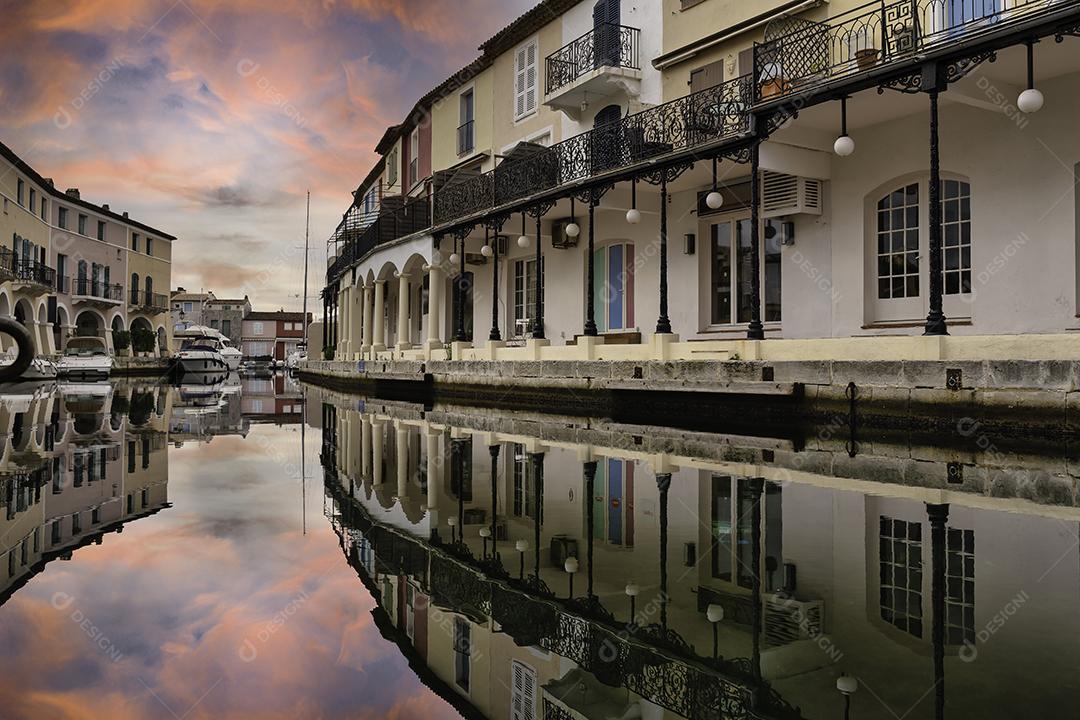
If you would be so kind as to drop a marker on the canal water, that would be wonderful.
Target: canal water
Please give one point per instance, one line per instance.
(261, 549)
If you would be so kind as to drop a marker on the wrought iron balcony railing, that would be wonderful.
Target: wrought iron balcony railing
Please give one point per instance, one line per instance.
(607, 45)
(466, 138)
(83, 287)
(800, 54)
(704, 117)
(63, 284)
(358, 234)
(148, 300)
(33, 271)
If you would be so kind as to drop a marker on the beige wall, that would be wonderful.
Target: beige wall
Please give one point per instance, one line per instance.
(507, 131)
(446, 118)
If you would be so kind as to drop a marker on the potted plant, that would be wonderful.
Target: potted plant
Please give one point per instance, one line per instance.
(328, 353)
(122, 342)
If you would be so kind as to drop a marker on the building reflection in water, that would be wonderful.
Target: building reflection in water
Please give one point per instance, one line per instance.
(78, 462)
(533, 568)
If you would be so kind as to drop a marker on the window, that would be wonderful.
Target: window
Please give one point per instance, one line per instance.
(414, 156)
(82, 224)
(898, 243)
(257, 328)
(101, 230)
(392, 167)
(135, 242)
(524, 295)
(187, 307)
(522, 692)
(959, 586)
(410, 611)
(20, 191)
(732, 531)
(44, 209)
(134, 288)
(730, 281)
(466, 139)
(214, 324)
(613, 502)
(524, 484)
(900, 563)
(462, 651)
(33, 200)
(149, 246)
(525, 77)
(226, 327)
(956, 236)
(62, 219)
(613, 287)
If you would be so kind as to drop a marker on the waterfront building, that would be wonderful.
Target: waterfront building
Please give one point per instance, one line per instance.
(68, 266)
(227, 316)
(273, 335)
(682, 180)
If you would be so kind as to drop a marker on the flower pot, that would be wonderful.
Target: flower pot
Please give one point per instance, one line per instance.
(866, 58)
(774, 87)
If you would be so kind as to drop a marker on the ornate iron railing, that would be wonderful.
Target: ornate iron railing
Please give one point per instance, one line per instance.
(33, 271)
(801, 54)
(360, 233)
(466, 138)
(717, 113)
(85, 287)
(607, 45)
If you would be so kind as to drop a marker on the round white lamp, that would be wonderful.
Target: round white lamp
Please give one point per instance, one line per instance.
(632, 591)
(573, 230)
(715, 613)
(847, 685)
(454, 258)
(485, 532)
(1030, 101)
(844, 146)
(571, 568)
(436, 258)
(524, 242)
(521, 546)
(714, 200)
(633, 216)
(486, 251)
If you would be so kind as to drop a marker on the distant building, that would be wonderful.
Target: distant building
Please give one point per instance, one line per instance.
(273, 335)
(187, 308)
(227, 316)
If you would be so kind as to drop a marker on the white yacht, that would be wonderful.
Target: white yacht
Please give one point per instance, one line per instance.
(229, 352)
(86, 357)
(202, 355)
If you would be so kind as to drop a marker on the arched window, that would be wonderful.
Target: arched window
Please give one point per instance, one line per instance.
(613, 287)
(607, 139)
(134, 288)
(149, 287)
(901, 245)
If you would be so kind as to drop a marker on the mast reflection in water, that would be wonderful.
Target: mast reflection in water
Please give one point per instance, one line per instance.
(531, 568)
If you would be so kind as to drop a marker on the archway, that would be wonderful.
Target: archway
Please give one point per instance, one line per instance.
(24, 315)
(143, 339)
(43, 335)
(162, 341)
(59, 328)
(89, 324)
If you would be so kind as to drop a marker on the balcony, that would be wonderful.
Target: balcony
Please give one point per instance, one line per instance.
(26, 273)
(600, 63)
(96, 292)
(466, 138)
(149, 301)
(358, 233)
(801, 56)
(711, 116)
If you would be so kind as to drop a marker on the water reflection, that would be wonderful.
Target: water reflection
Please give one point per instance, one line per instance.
(532, 567)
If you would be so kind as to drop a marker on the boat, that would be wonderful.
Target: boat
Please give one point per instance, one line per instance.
(202, 355)
(295, 359)
(86, 357)
(231, 353)
(40, 368)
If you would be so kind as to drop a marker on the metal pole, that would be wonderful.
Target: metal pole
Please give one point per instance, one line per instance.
(307, 253)
(494, 450)
(590, 304)
(590, 491)
(538, 323)
(756, 331)
(538, 496)
(939, 516)
(935, 321)
(461, 337)
(663, 482)
(663, 323)
(495, 335)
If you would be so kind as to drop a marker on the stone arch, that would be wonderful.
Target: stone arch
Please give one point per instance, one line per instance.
(141, 326)
(90, 323)
(24, 315)
(162, 340)
(59, 328)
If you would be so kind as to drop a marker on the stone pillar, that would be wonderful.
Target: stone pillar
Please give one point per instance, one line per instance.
(366, 348)
(403, 312)
(345, 339)
(376, 452)
(435, 299)
(402, 432)
(434, 468)
(365, 447)
(378, 342)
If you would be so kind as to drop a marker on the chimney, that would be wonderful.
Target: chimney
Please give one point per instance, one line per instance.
(125, 214)
(49, 182)
(105, 207)
(72, 192)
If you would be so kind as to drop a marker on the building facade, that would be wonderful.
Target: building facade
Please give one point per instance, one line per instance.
(691, 178)
(273, 335)
(73, 267)
(227, 316)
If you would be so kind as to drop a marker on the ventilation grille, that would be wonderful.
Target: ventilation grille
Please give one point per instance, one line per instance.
(789, 195)
(789, 620)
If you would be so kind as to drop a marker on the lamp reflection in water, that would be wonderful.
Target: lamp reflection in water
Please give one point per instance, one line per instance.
(715, 615)
(522, 546)
(571, 568)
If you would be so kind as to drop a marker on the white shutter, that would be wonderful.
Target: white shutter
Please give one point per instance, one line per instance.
(523, 692)
(525, 80)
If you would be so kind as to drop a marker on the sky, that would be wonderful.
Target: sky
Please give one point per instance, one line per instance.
(210, 120)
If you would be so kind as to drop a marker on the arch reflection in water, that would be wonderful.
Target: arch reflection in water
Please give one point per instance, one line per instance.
(78, 462)
(927, 593)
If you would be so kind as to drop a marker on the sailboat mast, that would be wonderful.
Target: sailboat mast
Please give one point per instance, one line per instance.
(307, 253)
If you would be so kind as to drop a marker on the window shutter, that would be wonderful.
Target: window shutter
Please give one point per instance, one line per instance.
(706, 77)
(746, 61)
(530, 78)
(519, 83)
(523, 692)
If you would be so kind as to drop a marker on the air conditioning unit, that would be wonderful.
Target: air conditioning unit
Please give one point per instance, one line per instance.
(783, 195)
(559, 238)
(562, 547)
(788, 619)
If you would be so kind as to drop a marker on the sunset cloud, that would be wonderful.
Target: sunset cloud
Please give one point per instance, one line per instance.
(208, 118)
